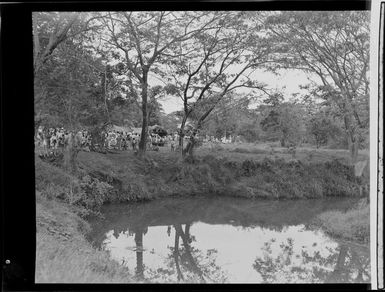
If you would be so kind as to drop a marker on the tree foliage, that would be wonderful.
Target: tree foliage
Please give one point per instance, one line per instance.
(283, 120)
(322, 129)
(335, 48)
(99, 67)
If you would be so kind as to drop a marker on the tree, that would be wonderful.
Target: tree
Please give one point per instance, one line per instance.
(334, 47)
(125, 111)
(343, 264)
(142, 40)
(50, 29)
(322, 128)
(170, 122)
(67, 81)
(215, 63)
(61, 84)
(283, 120)
(155, 109)
(232, 116)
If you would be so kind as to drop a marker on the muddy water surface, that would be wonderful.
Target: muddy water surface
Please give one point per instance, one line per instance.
(216, 240)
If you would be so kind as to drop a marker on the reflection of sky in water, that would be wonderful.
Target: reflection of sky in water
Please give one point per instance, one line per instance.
(228, 253)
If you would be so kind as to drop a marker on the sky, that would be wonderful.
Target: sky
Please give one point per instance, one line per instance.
(288, 83)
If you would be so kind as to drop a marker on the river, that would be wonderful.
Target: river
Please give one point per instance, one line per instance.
(229, 240)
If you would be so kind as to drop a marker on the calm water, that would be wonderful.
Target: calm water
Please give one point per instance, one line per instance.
(216, 240)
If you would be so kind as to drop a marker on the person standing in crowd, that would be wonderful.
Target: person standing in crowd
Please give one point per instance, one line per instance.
(172, 144)
(134, 143)
(119, 141)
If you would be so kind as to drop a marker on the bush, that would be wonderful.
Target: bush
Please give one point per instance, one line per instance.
(87, 192)
(295, 179)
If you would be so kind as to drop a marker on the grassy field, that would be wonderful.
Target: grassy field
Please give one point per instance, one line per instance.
(242, 151)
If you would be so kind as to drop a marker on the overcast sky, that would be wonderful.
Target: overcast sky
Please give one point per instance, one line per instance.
(287, 83)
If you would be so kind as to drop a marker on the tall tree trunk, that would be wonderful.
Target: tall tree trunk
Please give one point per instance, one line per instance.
(190, 146)
(143, 138)
(353, 145)
(353, 141)
(105, 95)
(189, 150)
(182, 134)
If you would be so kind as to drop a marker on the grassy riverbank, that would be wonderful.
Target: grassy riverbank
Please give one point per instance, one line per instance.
(252, 175)
(63, 255)
(63, 201)
(353, 225)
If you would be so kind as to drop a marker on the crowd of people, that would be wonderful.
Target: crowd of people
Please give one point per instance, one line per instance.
(50, 140)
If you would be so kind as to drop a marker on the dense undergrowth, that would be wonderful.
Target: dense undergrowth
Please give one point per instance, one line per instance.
(65, 201)
(133, 179)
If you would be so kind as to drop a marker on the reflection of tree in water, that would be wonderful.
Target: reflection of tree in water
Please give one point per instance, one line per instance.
(139, 270)
(188, 263)
(342, 264)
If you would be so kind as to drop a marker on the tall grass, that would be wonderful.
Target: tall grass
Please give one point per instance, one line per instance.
(63, 255)
(75, 261)
(353, 225)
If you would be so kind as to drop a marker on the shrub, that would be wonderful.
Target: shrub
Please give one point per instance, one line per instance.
(88, 192)
(93, 193)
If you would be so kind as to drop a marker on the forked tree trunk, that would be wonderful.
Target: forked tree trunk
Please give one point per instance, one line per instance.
(192, 262)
